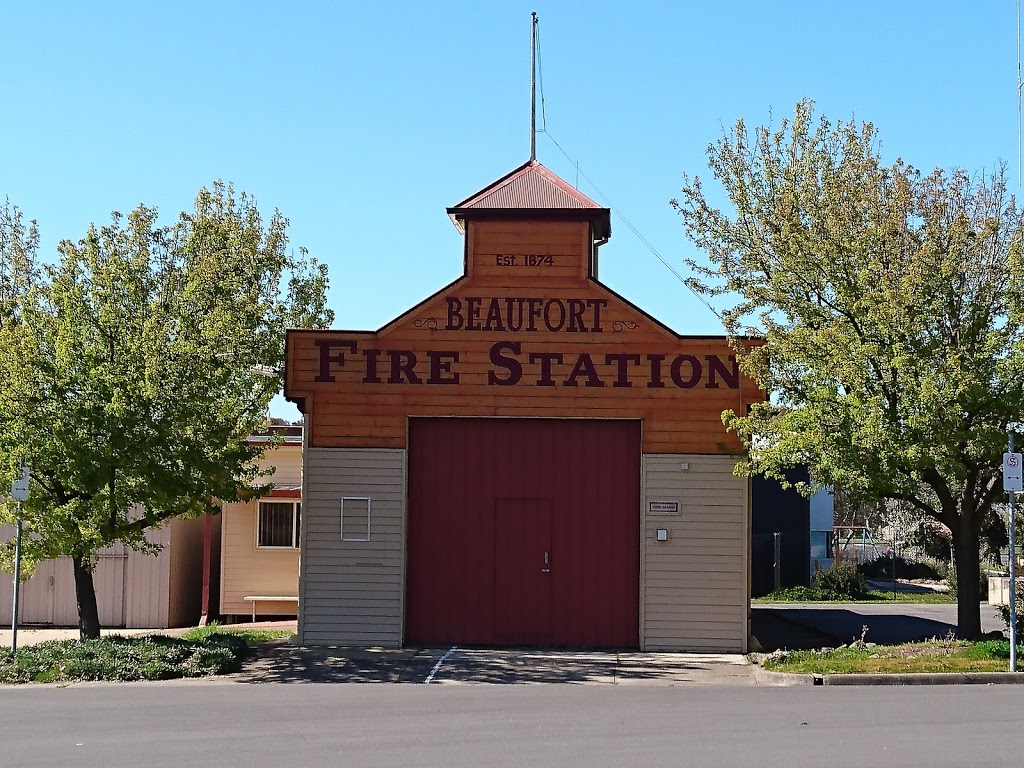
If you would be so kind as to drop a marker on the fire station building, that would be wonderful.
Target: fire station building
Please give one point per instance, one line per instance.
(524, 458)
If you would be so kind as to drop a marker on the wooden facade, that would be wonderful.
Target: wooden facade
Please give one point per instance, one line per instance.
(519, 340)
(528, 333)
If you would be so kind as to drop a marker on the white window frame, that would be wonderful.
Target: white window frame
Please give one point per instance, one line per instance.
(295, 522)
(341, 518)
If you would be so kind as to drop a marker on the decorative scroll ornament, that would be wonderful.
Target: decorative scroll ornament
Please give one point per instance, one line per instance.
(620, 325)
(426, 322)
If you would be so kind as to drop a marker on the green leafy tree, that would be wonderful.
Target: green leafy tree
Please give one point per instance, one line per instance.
(889, 302)
(131, 371)
(19, 249)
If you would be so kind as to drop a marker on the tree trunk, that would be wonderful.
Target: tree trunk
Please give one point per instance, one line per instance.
(968, 577)
(85, 592)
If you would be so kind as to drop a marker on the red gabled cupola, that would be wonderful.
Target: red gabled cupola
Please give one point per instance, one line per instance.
(520, 204)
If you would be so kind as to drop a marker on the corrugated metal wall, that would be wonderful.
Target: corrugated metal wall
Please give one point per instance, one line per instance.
(132, 588)
(147, 584)
(489, 498)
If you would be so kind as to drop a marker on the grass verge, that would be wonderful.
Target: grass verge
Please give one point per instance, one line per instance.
(930, 656)
(251, 636)
(149, 657)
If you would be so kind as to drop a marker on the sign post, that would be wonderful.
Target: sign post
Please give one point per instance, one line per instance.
(19, 492)
(1013, 481)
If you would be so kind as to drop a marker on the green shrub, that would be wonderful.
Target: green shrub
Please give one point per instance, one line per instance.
(990, 649)
(938, 568)
(840, 582)
(1004, 614)
(925, 568)
(798, 594)
(122, 658)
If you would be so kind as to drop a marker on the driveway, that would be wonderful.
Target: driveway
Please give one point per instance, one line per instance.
(282, 662)
(815, 625)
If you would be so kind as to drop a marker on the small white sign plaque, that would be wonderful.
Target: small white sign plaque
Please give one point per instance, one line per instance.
(19, 488)
(1012, 475)
(664, 507)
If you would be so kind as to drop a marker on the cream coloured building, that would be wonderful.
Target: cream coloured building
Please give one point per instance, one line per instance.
(259, 556)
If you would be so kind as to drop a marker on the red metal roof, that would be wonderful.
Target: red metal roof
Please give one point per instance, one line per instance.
(289, 434)
(531, 187)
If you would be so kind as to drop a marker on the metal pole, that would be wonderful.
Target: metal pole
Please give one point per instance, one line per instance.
(778, 560)
(892, 556)
(17, 585)
(1013, 579)
(533, 86)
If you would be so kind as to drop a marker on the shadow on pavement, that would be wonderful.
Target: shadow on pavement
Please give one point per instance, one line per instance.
(518, 666)
(808, 628)
(281, 662)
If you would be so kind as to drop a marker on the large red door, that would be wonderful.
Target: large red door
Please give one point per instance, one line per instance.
(523, 532)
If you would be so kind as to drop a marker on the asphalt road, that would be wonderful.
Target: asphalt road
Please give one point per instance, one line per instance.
(310, 725)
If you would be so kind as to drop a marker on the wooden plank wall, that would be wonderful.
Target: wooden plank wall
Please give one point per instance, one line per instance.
(352, 592)
(694, 586)
(491, 242)
(359, 387)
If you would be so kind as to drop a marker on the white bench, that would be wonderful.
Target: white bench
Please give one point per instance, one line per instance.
(269, 599)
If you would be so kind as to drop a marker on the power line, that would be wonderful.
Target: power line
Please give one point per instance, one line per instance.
(538, 69)
(633, 229)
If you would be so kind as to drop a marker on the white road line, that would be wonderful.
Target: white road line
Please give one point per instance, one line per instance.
(440, 661)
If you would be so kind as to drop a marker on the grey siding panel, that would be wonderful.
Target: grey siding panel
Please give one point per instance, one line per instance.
(352, 592)
(695, 586)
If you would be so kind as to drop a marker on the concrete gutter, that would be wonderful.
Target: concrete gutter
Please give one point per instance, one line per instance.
(766, 678)
(925, 678)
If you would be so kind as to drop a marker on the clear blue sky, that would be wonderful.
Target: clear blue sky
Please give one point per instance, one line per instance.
(363, 121)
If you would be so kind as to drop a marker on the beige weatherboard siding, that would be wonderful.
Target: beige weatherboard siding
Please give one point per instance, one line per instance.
(694, 586)
(249, 570)
(352, 591)
(246, 569)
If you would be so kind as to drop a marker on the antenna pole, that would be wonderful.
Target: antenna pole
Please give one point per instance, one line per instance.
(533, 86)
(1020, 85)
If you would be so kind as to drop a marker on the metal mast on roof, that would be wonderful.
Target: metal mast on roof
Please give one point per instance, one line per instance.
(533, 86)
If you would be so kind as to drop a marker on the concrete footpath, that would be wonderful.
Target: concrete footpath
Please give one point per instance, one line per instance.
(281, 662)
(783, 625)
